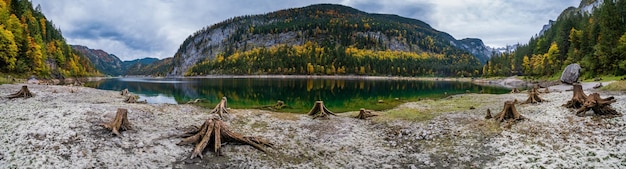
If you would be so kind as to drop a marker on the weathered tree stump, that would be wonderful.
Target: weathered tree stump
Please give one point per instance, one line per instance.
(134, 99)
(533, 96)
(119, 123)
(319, 110)
(220, 108)
(364, 114)
(599, 106)
(515, 90)
(488, 116)
(213, 133)
(24, 92)
(509, 112)
(578, 99)
(124, 92)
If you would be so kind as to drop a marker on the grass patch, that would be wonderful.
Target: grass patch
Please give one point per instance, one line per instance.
(409, 114)
(604, 78)
(615, 86)
(428, 109)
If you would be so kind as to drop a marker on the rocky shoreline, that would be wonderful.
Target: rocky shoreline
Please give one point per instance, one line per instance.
(58, 128)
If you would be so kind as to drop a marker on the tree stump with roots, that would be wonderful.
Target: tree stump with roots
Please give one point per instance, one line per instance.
(509, 113)
(220, 108)
(134, 99)
(533, 96)
(578, 99)
(24, 92)
(213, 133)
(119, 123)
(124, 92)
(364, 114)
(599, 106)
(319, 110)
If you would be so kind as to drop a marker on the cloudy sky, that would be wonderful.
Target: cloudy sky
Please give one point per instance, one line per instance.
(156, 28)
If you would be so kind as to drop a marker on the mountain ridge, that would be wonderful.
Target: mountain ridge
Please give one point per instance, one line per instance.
(110, 64)
(324, 24)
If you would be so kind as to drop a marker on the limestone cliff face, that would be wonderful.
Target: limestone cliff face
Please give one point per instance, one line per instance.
(321, 24)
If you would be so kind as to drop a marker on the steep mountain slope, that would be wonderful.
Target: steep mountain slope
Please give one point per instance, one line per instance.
(110, 64)
(338, 31)
(31, 45)
(592, 35)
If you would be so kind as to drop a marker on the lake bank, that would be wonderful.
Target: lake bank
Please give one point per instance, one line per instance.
(58, 129)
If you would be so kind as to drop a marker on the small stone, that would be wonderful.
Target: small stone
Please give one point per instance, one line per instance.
(140, 145)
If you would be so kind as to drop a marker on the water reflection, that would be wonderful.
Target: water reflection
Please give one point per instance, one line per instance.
(298, 94)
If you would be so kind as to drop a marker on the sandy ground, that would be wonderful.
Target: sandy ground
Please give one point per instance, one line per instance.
(58, 128)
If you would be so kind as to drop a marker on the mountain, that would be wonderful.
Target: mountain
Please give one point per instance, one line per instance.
(344, 40)
(32, 45)
(110, 64)
(592, 35)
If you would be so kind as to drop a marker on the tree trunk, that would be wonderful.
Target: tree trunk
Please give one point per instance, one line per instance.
(509, 113)
(578, 99)
(119, 123)
(533, 96)
(213, 133)
(319, 110)
(24, 92)
(220, 108)
(364, 114)
(598, 105)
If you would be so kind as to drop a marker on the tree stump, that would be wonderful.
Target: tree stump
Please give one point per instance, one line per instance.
(515, 90)
(578, 99)
(546, 90)
(124, 92)
(213, 133)
(119, 123)
(220, 108)
(488, 116)
(319, 110)
(279, 105)
(509, 112)
(134, 99)
(533, 96)
(24, 92)
(599, 106)
(364, 114)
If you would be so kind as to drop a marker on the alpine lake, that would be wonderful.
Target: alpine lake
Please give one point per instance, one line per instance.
(298, 94)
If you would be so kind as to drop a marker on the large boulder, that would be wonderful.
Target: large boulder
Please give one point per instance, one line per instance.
(570, 74)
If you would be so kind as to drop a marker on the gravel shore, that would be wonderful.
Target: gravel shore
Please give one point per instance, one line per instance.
(58, 128)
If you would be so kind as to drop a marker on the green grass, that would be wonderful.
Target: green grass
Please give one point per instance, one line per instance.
(428, 109)
(616, 86)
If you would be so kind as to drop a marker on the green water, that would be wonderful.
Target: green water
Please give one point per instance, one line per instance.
(299, 94)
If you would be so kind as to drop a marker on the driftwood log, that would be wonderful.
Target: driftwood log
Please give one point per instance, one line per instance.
(578, 99)
(599, 106)
(124, 92)
(24, 92)
(213, 133)
(119, 123)
(509, 113)
(364, 114)
(319, 110)
(134, 99)
(533, 96)
(220, 108)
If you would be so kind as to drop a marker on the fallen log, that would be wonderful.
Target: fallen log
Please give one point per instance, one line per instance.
(24, 92)
(213, 133)
(319, 110)
(119, 123)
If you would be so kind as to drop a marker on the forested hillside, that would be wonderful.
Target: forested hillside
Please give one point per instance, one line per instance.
(592, 35)
(326, 39)
(31, 45)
